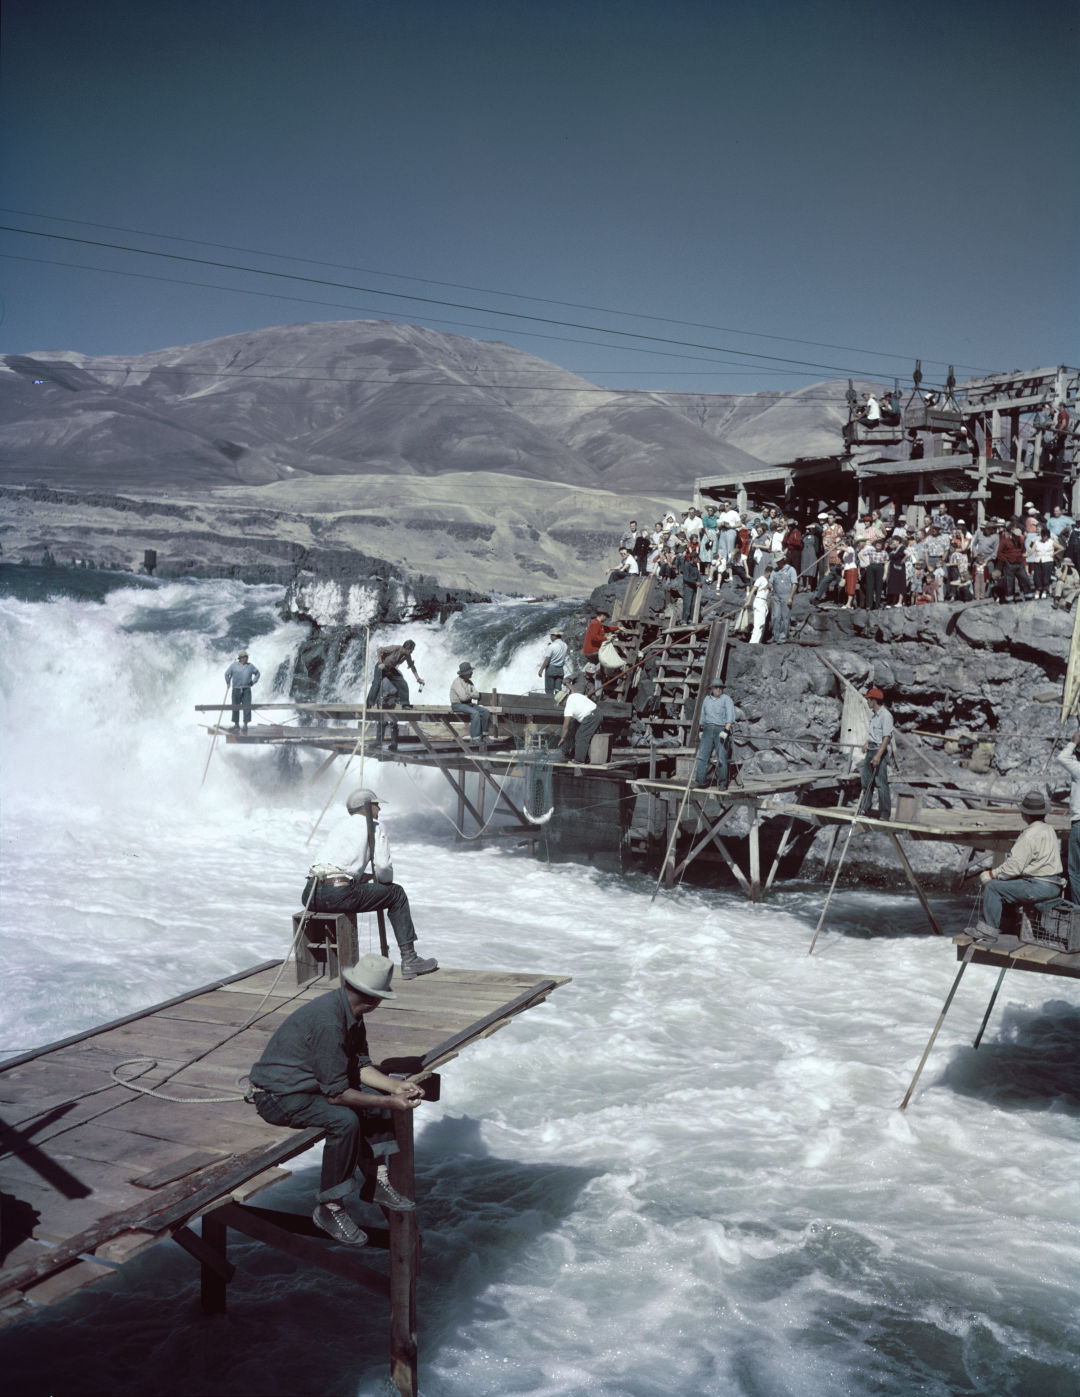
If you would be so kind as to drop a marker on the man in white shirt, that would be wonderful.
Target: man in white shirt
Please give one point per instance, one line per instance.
(693, 524)
(465, 699)
(340, 882)
(582, 712)
(553, 664)
(760, 596)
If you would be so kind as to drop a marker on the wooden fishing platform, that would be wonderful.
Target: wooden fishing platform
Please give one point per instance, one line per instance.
(93, 1173)
(1005, 952)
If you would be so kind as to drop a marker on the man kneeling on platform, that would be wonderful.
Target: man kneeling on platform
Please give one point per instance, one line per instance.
(1031, 872)
(581, 716)
(340, 883)
(315, 1071)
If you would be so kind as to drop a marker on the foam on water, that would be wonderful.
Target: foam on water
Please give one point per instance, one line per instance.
(686, 1173)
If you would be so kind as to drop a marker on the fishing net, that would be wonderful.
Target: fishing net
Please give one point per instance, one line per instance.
(539, 803)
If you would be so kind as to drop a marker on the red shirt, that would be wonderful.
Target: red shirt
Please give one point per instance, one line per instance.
(595, 634)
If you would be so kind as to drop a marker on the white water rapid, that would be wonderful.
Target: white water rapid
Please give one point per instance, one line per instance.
(685, 1174)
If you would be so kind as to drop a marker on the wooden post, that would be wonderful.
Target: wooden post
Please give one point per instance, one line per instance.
(404, 1263)
(212, 1281)
(781, 850)
(909, 874)
(755, 859)
(937, 1027)
(480, 784)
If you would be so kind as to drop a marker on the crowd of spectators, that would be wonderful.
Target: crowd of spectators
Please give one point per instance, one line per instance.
(871, 562)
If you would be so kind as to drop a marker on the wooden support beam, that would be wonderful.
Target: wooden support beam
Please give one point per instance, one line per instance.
(781, 850)
(212, 1256)
(755, 858)
(485, 775)
(937, 1027)
(712, 835)
(325, 1255)
(404, 1263)
(909, 874)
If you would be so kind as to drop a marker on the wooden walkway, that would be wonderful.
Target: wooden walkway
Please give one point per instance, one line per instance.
(93, 1173)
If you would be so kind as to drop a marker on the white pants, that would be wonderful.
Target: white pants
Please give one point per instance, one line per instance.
(761, 615)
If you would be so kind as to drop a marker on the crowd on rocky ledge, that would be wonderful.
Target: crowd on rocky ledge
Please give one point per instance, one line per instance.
(876, 560)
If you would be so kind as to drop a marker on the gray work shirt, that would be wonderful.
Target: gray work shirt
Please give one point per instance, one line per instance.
(717, 711)
(241, 676)
(319, 1050)
(881, 727)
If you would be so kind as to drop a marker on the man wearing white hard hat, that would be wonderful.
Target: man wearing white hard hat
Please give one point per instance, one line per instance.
(316, 1072)
(340, 881)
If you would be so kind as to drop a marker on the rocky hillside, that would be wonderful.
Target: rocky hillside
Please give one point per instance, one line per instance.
(348, 398)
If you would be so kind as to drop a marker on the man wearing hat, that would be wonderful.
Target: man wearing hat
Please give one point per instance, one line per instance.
(875, 763)
(1031, 871)
(340, 881)
(240, 676)
(553, 664)
(581, 717)
(717, 716)
(465, 699)
(316, 1072)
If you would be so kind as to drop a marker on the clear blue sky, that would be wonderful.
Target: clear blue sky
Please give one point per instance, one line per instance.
(895, 179)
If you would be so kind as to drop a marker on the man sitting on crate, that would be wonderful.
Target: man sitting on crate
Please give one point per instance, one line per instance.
(340, 882)
(315, 1071)
(1031, 871)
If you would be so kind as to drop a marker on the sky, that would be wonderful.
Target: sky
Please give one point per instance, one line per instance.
(687, 196)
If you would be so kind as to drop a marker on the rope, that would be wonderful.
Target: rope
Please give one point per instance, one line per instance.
(449, 818)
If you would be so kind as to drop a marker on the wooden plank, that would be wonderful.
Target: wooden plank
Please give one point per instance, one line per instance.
(250, 1187)
(122, 1248)
(128, 1018)
(178, 1169)
(64, 1283)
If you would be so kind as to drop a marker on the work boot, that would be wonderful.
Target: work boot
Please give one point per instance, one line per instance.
(413, 965)
(337, 1223)
(387, 1196)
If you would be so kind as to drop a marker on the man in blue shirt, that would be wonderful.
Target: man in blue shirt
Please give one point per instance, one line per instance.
(875, 764)
(717, 716)
(241, 675)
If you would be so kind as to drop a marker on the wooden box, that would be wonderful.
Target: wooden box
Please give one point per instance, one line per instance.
(327, 941)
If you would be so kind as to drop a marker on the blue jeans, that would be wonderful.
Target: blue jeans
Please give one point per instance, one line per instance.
(241, 698)
(999, 892)
(780, 615)
(478, 717)
(344, 1128)
(553, 680)
(713, 739)
(879, 778)
(355, 895)
(1074, 861)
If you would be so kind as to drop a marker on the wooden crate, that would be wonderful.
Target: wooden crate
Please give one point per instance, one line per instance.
(329, 940)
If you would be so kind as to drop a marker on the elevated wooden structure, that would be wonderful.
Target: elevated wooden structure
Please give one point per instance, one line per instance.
(982, 446)
(595, 813)
(1004, 952)
(94, 1173)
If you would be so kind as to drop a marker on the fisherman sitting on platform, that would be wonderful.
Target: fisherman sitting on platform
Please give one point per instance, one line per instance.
(315, 1071)
(1031, 872)
(340, 882)
(465, 699)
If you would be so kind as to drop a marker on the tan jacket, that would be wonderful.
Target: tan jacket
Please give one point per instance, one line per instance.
(1036, 854)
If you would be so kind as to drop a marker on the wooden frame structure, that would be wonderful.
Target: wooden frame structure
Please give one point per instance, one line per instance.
(1004, 953)
(999, 462)
(95, 1173)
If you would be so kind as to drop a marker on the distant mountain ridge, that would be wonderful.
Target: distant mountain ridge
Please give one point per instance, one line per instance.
(354, 398)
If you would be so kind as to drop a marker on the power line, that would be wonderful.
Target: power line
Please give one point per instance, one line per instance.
(436, 301)
(434, 320)
(484, 290)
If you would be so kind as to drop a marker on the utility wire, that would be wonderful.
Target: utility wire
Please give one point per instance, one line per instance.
(433, 320)
(437, 301)
(483, 290)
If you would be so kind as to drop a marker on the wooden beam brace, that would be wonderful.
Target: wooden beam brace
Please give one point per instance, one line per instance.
(909, 874)
(500, 794)
(321, 1254)
(207, 1253)
(740, 876)
(781, 850)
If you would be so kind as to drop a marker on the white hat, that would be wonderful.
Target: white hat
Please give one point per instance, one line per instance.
(361, 798)
(370, 975)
